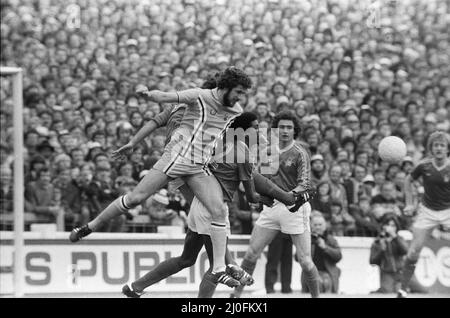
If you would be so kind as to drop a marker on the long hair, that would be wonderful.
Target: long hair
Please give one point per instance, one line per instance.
(211, 81)
(287, 115)
(232, 77)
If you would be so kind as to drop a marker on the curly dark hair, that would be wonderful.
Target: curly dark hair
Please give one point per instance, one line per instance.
(287, 115)
(244, 120)
(232, 77)
(211, 81)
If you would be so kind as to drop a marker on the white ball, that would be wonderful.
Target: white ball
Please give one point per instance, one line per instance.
(392, 149)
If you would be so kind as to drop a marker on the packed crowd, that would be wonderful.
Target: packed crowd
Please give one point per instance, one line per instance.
(352, 72)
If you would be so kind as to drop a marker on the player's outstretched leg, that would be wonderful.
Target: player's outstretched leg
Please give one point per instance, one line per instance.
(266, 187)
(259, 239)
(193, 243)
(236, 271)
(209, 282)
(208, 285)
(293, 200)
(152, 182)
(209, 193)
(419, 238)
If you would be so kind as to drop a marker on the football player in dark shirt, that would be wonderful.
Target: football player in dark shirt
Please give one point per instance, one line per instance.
(434, 210)
(293, 174)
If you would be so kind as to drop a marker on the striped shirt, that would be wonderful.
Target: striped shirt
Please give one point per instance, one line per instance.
(294, 168)
(203, 124)
(227, 174)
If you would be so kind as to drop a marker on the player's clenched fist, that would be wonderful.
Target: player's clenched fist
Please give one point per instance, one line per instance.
(142, 90)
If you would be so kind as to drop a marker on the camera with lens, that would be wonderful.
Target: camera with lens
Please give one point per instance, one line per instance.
(384, 234)
(315, 236)
(383, 237)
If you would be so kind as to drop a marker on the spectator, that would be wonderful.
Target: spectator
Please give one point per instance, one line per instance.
(326, 253)
(279, 253)
(262, 110)
(136, 120)
(322, 200)
(62, 162)
(70, 199)
(46, 150)
(379, 177)
(6, 190)
(338, 192)
(368, 187)
(242, 214)
(37, 163)
(407, 165)
(40, 198)
(137, 161)
(177, 202)
(387, 252)
(89, 205)
(126, 170)
(124, 132)
(365, 222)
(104, 192)
(157, 207)
(77, 158)
(346, 167)
(354, 185)
(342, 223)
(385, 202)
(31, 142)
(318, 170)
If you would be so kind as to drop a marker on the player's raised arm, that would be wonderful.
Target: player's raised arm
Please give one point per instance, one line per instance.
(159, 96)
(187, 96)
(159, 120)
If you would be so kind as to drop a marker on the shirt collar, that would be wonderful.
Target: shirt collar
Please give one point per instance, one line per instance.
(287, 147)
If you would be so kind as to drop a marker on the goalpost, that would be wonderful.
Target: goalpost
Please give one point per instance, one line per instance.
(18, 263)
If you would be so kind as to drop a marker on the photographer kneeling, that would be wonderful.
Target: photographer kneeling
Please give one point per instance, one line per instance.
(388, 251)
(326, 253)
